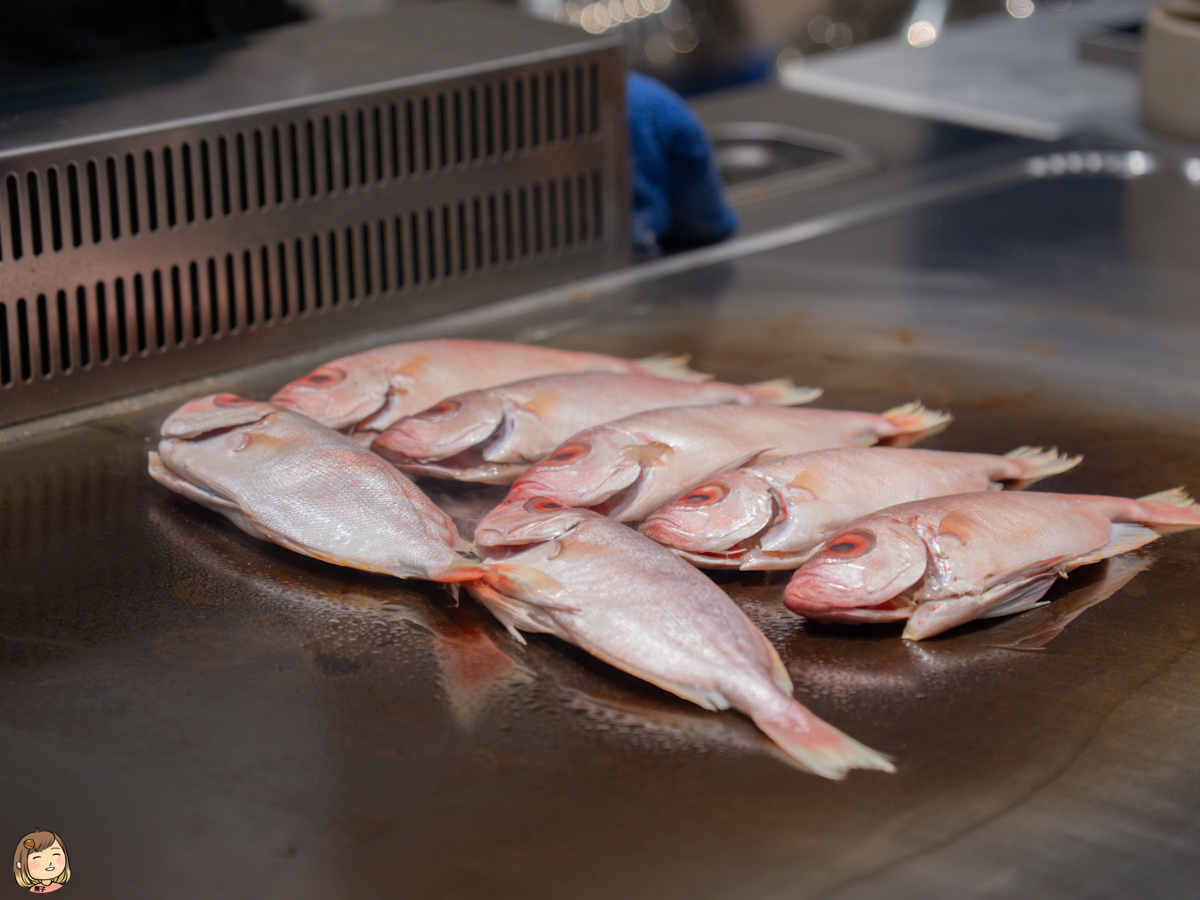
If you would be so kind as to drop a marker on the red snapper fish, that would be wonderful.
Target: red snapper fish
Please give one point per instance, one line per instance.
(495, 434)
(945, 561)
(281, 477)
(774, 515)
(363, 394)
(637, 606)
(629, 468)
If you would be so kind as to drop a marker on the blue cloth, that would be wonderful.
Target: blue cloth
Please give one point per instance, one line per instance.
(678, 195)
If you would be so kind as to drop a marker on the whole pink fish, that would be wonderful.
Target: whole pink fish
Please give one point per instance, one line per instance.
(631, 467)
(941, 562)
(280, 476)
(774, 515)
(635, 605)
(495, 434)
(365, 393)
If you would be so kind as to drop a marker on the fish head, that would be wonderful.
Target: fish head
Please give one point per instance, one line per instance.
(339, 394)
(587, 470)
(447, 428)
(715, 516)
(214, 413)
(860, 573)
(527, 520)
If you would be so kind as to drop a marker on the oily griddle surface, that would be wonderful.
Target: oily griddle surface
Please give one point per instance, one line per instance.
(197, 712)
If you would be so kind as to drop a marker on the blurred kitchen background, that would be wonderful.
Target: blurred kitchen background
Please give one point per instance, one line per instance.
(693, 45)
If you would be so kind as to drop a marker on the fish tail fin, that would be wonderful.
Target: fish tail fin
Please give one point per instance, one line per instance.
(1171, 510)
(1036, 463)
(675, 367)
(781, 392)
(913, 422)
(817, 746)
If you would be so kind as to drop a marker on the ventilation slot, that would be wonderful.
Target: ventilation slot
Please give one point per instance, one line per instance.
(73, 203)
(35, 213)
(14, 219)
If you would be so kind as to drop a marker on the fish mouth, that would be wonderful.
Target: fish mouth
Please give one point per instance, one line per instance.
(893, 610)
(856, 615)
(715, 559)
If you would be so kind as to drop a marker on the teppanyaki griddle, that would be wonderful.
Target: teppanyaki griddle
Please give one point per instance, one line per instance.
(198, 713)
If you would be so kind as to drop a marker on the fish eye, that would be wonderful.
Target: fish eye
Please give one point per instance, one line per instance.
(567, 454)
(323, 378)
(849, 545)
(541, 504)
(706, 495)
(440, 409)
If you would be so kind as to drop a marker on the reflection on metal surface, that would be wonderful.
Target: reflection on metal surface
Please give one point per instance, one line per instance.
(1034, 629)
(754, 156)
(1019, 9)
(1131, 164)
(472, 669)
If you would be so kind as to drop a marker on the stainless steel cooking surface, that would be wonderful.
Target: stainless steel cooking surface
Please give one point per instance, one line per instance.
(197, 712)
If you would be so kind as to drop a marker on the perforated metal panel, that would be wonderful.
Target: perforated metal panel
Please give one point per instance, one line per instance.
(169, 251)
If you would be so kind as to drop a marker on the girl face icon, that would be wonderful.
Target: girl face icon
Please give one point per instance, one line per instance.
(48, 864)
(40, 862)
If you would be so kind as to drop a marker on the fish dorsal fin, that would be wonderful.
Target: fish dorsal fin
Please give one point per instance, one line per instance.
(541, 406)
(1125, 536)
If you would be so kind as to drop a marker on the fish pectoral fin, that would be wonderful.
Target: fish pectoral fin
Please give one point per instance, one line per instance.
(541, 406)
(514, 614)
(935, 616)
(655, 453)
(1125, 536)
(577, 551)
(1023, 597)
(526, 584)
(1035, 631)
